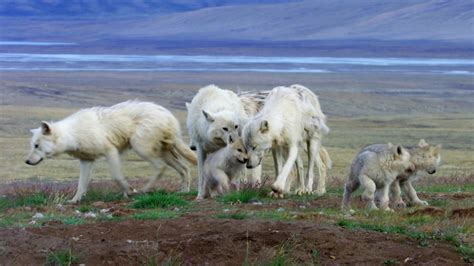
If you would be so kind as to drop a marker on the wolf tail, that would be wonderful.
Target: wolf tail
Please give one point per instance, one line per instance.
(184, 151)
(323, 153)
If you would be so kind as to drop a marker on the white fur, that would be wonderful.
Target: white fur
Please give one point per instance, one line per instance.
(279, 126)
(149, 129)
(375, 168)
(215, 116)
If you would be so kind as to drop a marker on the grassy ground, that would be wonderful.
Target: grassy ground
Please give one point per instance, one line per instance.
(448, 221)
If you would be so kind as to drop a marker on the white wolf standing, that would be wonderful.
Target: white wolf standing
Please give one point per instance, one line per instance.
(149, 129)
(214, 119)
(278, 125)
(315, 127)
(376, 169)
(426, 159)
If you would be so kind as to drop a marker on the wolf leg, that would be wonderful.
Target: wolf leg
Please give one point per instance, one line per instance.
(369, 191)
(201, 155)
(84, 178)
(349, 188)
(300, 173)
(395, 195)
(411, 194)
(115, 168)
(279, 185)
(182, 170)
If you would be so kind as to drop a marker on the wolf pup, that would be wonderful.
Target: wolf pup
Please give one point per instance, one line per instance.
(426, 159)
(224, 166)
(149, 129)
(376, 170)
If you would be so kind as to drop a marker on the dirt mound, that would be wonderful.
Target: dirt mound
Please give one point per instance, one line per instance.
(463, 213)
(432, 211)
(197, 240)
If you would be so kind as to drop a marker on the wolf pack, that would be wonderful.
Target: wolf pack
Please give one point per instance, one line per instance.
(230, 134)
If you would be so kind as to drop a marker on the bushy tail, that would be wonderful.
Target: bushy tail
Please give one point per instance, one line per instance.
(323, 153)
(184, 151)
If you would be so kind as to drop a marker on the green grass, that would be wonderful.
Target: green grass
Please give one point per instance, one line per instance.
(159, 199)
(155, 215)
(243, 196)
(449, 188)
(61, 258)
(30, 200)
(15, 219)
(99, 195)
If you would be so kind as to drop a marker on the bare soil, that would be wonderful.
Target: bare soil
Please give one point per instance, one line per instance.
(199, 238)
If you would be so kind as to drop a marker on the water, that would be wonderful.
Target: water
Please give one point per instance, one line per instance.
(203, 63)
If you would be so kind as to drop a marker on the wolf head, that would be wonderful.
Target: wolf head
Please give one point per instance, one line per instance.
(238, 151)
(257, 140)
(426, 157)
(401, 158)
(223, 127)
(43, 144)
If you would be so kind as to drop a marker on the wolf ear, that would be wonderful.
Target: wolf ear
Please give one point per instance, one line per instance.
(264, 126)
(399, 150)
(187, 105)
(422, 143)
(45, 128)
(208, 116)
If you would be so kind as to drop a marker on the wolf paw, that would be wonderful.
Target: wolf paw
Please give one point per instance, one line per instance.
(300, 191)
(73, 201)
(320, 192)
(275, 195)
(422, 203)
(401, 204)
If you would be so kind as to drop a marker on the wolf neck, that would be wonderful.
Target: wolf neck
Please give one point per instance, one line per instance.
(66, 141)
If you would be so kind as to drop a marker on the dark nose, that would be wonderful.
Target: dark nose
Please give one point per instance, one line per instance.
(193, 148)
(230, 139)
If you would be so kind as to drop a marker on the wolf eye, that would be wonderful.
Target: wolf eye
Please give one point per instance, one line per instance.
(239, 150)
(225, 129)
(236, 126)
(37, 146)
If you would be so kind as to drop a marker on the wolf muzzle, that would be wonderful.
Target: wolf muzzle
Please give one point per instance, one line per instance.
(30, 163)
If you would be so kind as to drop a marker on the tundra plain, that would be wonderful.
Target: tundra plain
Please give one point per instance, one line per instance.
(246, 227)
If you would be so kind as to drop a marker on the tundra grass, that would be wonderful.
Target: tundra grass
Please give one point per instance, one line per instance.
(243, 196)
(155, 214)
(159, 199)
(61, 258)
(26, 200)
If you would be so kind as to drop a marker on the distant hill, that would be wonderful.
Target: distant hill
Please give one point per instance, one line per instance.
(89, 8)
(267, 21)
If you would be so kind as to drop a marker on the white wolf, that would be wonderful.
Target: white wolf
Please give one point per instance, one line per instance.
(426, 159)
(224, 166)
(376, 169)
(149, 129)
(315, 127)
(279, 125)
(214, 119)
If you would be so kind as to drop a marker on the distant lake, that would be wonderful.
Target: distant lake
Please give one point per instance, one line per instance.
(200, 63)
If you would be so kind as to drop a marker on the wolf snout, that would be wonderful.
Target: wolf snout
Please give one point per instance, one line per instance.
(33, 163)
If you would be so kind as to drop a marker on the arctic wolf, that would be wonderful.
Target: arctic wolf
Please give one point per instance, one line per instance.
(376, 168)
(279, 125)
(315, 127)
(149, 129)
(214, 119)
(224, 166)
(426, 159)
